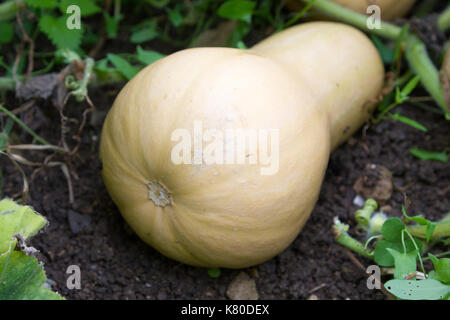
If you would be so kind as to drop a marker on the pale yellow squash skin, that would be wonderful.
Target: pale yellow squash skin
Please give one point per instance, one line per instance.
(230, 215)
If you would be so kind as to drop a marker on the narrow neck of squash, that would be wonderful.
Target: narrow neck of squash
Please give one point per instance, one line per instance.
(340, 66)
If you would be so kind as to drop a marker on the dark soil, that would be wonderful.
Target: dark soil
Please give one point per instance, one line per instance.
(115, 264)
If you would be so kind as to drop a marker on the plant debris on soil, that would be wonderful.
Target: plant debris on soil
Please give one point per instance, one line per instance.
(116, 264)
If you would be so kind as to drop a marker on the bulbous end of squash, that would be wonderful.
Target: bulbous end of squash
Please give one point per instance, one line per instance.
(220, 214)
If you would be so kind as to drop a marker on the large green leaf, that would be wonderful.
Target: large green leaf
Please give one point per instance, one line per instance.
(418, 289)
(58, 32)
(21, 276)
(17, 219)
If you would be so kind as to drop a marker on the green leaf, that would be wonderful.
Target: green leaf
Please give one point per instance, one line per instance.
(175, 17)
(381, 256)
(392, 229)
(429, 289)
(158, 3)
(442, 268)
(239, 32)
(123, 66)
(144, 32)
(17, 219)
(112, 25)
(387, 54)
(6, 32)
(386, 101)
(22, 278)
(87, 7)
(410, 122)
(57, 31)
(148, 56)
(405, 263)
(44, 4)
(237, 10)
(429, 155)
(410, 86)
(214, 272)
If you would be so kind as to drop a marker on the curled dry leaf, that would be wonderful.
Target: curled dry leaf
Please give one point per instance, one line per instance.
(38, 87)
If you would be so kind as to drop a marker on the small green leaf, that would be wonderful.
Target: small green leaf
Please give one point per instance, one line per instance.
(381, 256)
(57, 31)
(429, 289)
(158, 3)
(175, 17)
(405, 263)
(386, 101)
(386, 53)
(145, 31)
(410, 86)
(44, 4)
(214, 272)
(123, 66)
(102, 65)
(148, 56)
(87, 7)
(429, 155)
(392, 229)
(442, 268)
(6, 32)
(112, 25)
(410, 122)
(237, 10)
(239, 32)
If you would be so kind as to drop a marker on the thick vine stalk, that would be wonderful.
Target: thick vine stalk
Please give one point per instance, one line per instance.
(416, 52)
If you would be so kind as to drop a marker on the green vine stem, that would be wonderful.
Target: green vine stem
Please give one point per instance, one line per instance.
(441, 230)
(338, 12)
(344, 239)
(81, 92)
(416, 53)
(24, 126)
(421, 65)
(443, 20)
